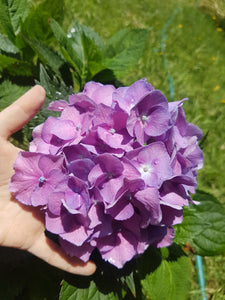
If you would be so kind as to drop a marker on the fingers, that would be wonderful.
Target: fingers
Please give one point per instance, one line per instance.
(21, 111)
(50, 252)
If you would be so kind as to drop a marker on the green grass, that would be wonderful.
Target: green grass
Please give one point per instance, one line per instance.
(194, 47)
(194, 50)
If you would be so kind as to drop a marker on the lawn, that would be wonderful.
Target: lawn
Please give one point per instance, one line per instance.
(194, 47)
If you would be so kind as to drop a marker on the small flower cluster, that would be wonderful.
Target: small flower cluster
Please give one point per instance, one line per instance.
(112, 172)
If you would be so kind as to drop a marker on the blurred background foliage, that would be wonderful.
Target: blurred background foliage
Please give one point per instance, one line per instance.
(184, 56)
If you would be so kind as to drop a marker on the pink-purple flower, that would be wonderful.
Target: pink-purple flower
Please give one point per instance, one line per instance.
(112, 172)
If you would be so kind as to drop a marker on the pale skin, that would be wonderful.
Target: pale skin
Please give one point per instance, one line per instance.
(23, 227)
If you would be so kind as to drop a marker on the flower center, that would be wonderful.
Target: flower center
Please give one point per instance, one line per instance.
(112, 130)
(144, 118)
(41, 181)
(129, 197)
(146, 168)
(78, 127)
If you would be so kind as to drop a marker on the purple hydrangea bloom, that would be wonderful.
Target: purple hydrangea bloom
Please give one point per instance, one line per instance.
(37, 175)
(149, 117)
(128, 97)
(112, 172)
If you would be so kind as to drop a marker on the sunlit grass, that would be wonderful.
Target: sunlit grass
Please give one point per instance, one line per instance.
(194, 49)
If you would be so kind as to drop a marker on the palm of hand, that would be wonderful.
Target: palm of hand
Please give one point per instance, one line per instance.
(23, 227)
(20, 228)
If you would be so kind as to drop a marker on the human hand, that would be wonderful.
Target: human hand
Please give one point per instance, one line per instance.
(21, 226)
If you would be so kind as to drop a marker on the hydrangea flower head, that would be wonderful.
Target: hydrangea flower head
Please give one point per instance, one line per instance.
(112, 172)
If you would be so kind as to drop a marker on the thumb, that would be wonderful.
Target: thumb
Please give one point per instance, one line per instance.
(15, 116)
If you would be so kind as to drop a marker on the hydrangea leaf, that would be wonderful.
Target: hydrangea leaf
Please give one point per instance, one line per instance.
(169, 281)
(7, 89)
(5, 20)
(15, 67)
(36, 25)
(124, 49)
(93, 57)
(129, 281)
(107, 283)
(203, 226)
(70, 292)
(88, 45)
(81, 48)
(6, 61)
(12, 12)
(55, 90)
(167, 277)
(6, 45)
(47, 55)
(70, 53)
(87, 31)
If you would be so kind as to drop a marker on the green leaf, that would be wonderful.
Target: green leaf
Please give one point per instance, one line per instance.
(12, 13)
(108, 282)
(6, 45)
(9, 92)
(70, 54)
(92, 58)
(88, 45)
(76, 34)
(91, 35)
(18, 11)
(203, 226)
(71, 51)
(46, 55)
(55, 90)
(36, 25)
(5, 61)
(170, 280)
(15, 67)
(5, 20)
(70, 292)
(124, 49)
(129, 281)
(81, 48)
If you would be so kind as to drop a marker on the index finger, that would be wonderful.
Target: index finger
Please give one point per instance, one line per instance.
(19, 113)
